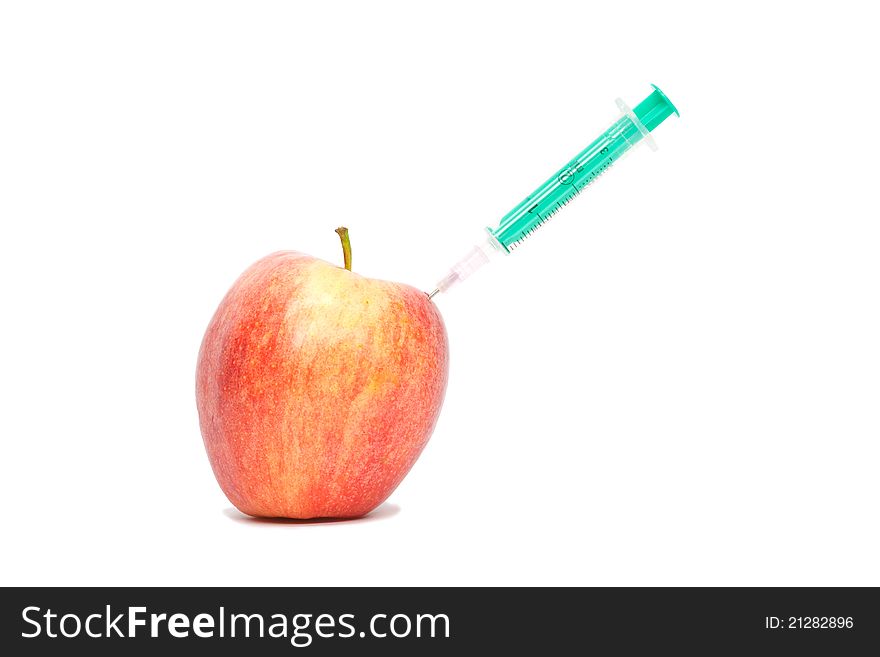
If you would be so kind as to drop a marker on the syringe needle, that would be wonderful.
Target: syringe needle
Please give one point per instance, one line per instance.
(475, 258)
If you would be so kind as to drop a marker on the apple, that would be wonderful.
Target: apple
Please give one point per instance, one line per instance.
(317, 388)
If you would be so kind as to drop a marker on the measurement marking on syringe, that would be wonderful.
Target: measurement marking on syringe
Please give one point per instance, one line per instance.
(543, 218)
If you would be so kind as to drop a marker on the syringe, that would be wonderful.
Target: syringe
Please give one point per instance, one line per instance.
(633, 127)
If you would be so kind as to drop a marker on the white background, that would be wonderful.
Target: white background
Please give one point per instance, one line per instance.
(675, 382)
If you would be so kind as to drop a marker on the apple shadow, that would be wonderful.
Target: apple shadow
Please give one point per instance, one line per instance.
(384, 512)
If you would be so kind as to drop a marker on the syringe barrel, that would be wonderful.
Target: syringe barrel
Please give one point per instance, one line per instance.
(537, 208)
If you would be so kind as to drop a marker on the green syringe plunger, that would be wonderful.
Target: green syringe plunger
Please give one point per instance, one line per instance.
(632, 128)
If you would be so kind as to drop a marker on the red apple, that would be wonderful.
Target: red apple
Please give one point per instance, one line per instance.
(317, 388)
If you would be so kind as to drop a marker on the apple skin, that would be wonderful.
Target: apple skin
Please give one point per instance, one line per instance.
(317, 388)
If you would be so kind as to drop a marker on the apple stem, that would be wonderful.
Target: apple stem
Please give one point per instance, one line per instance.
(342, 231)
